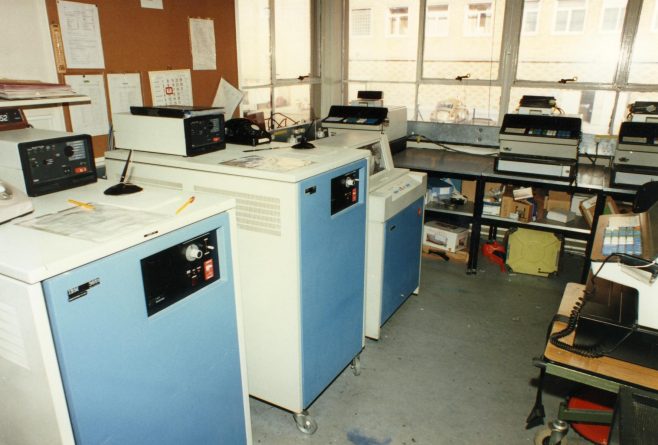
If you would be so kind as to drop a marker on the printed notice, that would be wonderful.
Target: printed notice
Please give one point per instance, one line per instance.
(125, 90)
(172, 87)
(89, 118)
(202, 39)
(81, 34)
(227, 97)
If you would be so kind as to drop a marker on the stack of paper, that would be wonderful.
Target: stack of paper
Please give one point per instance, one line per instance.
(25, 89)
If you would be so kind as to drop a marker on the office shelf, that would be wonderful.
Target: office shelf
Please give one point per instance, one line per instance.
(4, 103)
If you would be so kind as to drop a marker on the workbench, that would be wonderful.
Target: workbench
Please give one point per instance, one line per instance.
(591, 179)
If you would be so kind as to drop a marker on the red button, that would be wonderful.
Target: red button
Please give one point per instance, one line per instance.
(354, 195)
(80, 169)
(208, 269)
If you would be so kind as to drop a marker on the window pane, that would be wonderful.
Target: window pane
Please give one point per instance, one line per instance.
(594, 107)
(472, 45)
(292, 102)
(292, 38)
(465, 104)
(254, 42)
(560, 51)
(256, 99)
(436, 20)
(644, 63)
(530, 17)
(395, 94)
(389, 52)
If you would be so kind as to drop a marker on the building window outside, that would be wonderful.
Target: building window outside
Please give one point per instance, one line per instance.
(271, 91)
(530, 23)
(612, 15)
(570, 16)
(398, 21)
(361, 22)
(479, 18)
(436, 20)
(431, 93)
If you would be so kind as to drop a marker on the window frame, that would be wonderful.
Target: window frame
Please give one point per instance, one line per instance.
(390, 16)
(468, 32)
(537, 11)
(619, 87)
(439, 16)
(620, 16)
(313, 80)
(568, 31)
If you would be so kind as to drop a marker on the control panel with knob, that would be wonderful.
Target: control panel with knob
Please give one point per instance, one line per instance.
(174, 273)
(344, 191)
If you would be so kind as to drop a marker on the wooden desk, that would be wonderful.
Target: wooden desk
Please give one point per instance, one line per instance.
(593, 370)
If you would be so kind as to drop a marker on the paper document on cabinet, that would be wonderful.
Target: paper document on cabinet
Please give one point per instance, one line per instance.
(100, 224)
(227, 97)
(268, 164)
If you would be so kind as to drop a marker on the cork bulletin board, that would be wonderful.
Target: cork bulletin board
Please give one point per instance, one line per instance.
(139, 40)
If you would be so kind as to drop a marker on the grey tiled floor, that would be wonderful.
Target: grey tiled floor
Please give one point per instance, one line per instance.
(454, 366)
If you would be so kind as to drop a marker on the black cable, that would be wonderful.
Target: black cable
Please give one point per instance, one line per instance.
(590, 351)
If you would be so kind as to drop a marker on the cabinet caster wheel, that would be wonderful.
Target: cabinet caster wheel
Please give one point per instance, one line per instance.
(356, 365)
(543, 437)
(305, 423)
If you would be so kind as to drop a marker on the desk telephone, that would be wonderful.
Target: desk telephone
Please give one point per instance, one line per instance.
(13, 202)
(244, 132)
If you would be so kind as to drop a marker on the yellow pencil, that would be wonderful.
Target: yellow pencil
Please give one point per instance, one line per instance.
(188, 202)
(84, 205)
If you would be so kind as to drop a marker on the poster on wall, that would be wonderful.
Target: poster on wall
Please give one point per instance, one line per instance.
(171, 87)
(81, 35)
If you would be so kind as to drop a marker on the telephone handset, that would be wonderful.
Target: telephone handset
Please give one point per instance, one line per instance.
(245, 132)
(13, 202)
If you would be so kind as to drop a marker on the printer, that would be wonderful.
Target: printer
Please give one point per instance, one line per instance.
(636, 156)
(539, 145)
(389, 120)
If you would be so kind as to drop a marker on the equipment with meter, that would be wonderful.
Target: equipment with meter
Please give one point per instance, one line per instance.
(174, 130)
(301, 223)
(120, 321)
(395, 227)
(46, 161)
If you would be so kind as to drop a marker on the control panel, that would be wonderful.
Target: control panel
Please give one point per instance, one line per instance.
(552, 127)
(204, 134)
(175, 273)
(344, 191)
(51, 165)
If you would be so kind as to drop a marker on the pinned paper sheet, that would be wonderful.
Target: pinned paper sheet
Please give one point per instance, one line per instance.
(202, 39)
(228, 97)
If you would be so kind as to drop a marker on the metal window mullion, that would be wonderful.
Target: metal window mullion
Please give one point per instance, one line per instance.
(345, 50)
(509, 53)
(420, 53)
(272, 55)
(629, 31)
(564, 86)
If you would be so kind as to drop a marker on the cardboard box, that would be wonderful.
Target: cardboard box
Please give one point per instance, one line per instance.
(558, 201)
(517, 210)
(587, 208)
(444, 236)
(491, 208)
(468, 189)
(604, 220)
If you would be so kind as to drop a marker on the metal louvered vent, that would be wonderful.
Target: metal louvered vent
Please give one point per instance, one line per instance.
(254, 212)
